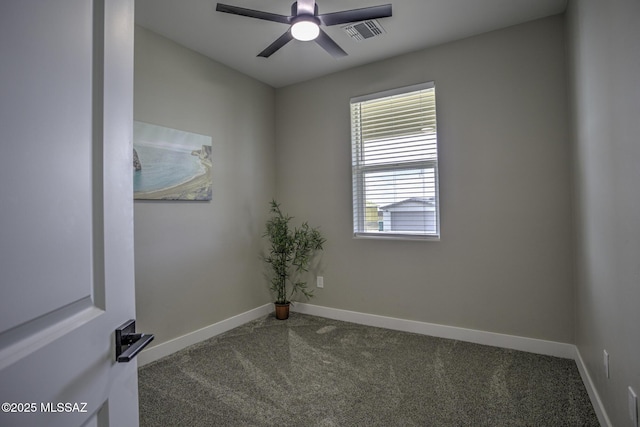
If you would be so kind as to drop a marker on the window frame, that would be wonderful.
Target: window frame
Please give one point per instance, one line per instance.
(359, 172)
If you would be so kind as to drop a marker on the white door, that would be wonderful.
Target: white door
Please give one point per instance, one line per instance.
(66, 213)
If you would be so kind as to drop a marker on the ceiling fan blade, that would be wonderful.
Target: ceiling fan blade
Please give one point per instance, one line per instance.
(356, 15)
(235, 10)
(329, 45)
(306, 7)
(273, 47)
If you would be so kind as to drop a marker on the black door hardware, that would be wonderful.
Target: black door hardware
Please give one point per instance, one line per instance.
(128, 343)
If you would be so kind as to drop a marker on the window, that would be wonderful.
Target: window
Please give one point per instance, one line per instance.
(394, 149)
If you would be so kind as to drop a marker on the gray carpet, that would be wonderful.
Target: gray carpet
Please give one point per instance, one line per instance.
(312, 371)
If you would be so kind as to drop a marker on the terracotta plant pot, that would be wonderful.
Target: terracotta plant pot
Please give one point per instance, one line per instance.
(282, 311)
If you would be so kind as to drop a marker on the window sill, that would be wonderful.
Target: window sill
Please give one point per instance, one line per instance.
(396, 236)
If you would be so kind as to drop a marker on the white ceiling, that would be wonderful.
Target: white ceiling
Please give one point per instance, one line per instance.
(416, 24)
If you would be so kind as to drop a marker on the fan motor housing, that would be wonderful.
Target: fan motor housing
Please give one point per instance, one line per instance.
(294, 9)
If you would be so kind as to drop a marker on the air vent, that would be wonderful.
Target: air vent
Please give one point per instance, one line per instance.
(364, 30)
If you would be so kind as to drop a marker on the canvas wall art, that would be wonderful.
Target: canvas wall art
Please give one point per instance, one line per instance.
(170, 164)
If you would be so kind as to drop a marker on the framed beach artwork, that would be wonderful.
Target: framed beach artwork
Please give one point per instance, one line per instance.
(170, 164)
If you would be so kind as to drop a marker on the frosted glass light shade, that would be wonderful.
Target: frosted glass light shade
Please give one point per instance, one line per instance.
(305, 30)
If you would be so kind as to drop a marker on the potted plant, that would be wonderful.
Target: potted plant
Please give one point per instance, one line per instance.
(290, 254)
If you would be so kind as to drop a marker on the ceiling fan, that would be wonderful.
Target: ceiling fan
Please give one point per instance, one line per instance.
(305, 23)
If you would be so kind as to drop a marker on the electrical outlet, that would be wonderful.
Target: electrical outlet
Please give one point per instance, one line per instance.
(633, 407)
(320, 282)
(605, 361)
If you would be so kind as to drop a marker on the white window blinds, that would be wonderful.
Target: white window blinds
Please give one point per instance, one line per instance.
(395, 163)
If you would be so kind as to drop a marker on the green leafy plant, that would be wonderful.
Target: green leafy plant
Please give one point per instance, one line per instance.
(290, 254)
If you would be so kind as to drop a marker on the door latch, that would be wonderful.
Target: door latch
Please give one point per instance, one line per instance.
(129, 343)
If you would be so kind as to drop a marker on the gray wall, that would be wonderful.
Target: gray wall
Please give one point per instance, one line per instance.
(504, 263)
(605, 51)
(506, 260)
(197, 262)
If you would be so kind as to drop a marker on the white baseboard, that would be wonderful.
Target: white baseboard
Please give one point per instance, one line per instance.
(603, 418)
(166, 348)
(532, 345)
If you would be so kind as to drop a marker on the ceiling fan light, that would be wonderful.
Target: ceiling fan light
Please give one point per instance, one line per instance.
(305, 31)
